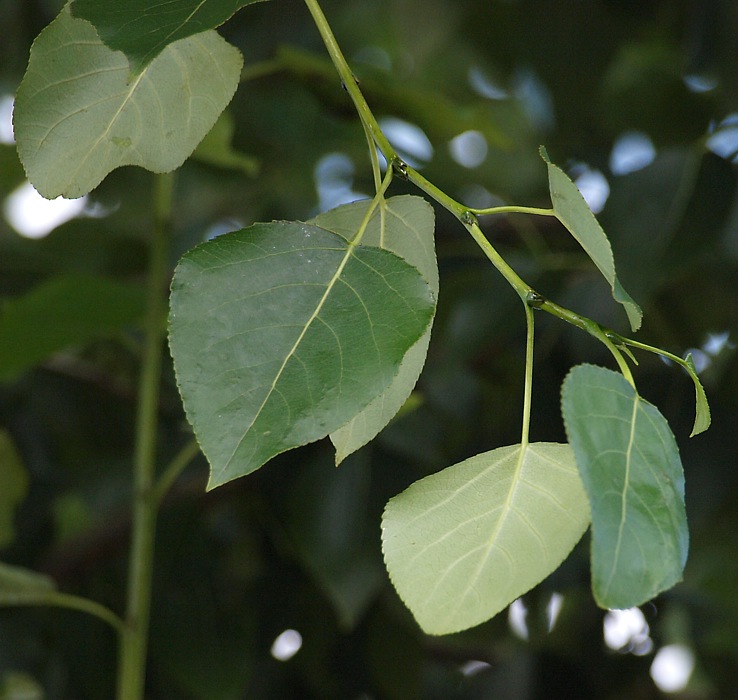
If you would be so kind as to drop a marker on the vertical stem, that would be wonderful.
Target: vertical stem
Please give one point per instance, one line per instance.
(527, 397)
(132, 658)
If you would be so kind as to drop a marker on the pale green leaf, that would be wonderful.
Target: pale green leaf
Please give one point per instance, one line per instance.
(19, 586)
(573, 212)
(405, 226)
(63, 311)
(462, 544)
(630, 467)
(702, 418)
(13, 486)
(143, 28)
(77, 116)
(282, 332)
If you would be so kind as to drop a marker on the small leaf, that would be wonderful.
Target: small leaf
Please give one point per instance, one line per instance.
(77, 116)
(572, 211)
(19, 586)
(63, 311)
(403, 225)
(142, 29)
(702, 418)
(13, 486)
(216, 148)
(462, 544)
(630, 467)
(283, 332)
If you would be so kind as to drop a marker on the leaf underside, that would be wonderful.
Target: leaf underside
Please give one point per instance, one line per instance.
(77, 116)
(631, 470)
(462, 544)
(405, 226)
(142, 29)
(282, 332)
(572, 211)
(19, 586)
(702, 418)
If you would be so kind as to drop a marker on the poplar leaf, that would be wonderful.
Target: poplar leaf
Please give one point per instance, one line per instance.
(142, 29)
(78, 116)
(702, 418)
(403, 225)
(630, 466)
(573, 212)
(463, 544)
(283, 332)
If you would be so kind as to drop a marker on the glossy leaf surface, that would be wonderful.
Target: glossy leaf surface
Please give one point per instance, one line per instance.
(77, 116)
(403, 225)
(630, 467)
(283, 332)
(462, 544)
(573, 212)
(142, 29)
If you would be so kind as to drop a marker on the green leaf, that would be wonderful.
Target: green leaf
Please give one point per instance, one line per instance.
(216, 149)
(463, 544)
(572, 211)
(77, 116)
(283, 332)
(142, 29)
(403, 225)
(702, 418)
(13, 486)
(630, 467)
(63, 311)
(19, 586)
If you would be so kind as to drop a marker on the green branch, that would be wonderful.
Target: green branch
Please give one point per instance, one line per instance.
(145, 497)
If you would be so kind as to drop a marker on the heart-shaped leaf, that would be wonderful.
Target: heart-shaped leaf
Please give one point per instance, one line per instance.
(462, 544)
(405, 226)
(630, 467)
(143, 28)
(77, 116)
(283, 332)
(572, 211)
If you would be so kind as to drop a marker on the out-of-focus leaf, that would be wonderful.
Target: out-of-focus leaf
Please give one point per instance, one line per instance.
(216, 148)
(142, 29)
(13, 486)
(326, 519)
(462, 544)
(571, 210)
(77, 116)
(19, 586)
(404, 226)
(630, 467)
(66, 310)
(283, 332)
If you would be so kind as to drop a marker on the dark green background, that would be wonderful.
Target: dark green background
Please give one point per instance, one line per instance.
(296, 545)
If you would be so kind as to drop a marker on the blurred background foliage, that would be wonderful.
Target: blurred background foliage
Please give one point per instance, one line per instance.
(639, 102)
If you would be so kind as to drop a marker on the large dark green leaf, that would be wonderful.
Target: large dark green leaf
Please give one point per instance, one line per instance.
(462, 544)
(403, 225)
(281, 333)
(78, 116)
(630, 467)
(68, 310)
(141, 29)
